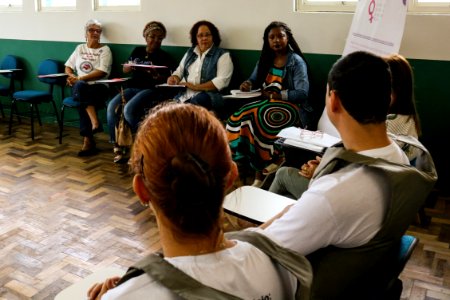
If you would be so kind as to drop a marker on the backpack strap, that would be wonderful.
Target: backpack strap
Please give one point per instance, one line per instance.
(174, 279)
(292, 261)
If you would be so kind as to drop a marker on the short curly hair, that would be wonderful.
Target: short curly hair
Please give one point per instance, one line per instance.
(214, 32)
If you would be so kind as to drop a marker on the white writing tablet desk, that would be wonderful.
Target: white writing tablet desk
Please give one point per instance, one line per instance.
(79, 289)
(254, 204)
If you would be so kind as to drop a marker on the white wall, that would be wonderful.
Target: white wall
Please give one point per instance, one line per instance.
(241, 23)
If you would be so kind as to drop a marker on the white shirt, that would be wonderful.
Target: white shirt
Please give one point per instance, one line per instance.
(242, 270)
(345, 208)
(84, 60)
(222, 79)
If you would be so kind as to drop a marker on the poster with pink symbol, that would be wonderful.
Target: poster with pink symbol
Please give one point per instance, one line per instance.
(377, 27)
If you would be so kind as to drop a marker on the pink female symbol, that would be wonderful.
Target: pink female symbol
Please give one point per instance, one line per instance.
(371, 10)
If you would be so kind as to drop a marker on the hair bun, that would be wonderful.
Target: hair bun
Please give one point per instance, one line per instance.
(191, 176)
(196, 197)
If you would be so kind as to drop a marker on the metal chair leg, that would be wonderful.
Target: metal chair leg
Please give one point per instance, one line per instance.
(13, 107)
(1, 110)
(62, 124)
(32, 120)
(38, 114)
(56, 115)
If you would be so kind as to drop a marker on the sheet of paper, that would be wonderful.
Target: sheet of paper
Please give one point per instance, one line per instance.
(170, 85)
(304, 136)
(377, 27)
(113, 80)
(144, 66)
(242, 95)
(52, 75)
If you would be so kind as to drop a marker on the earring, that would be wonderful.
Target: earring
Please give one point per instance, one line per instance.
(144, 204)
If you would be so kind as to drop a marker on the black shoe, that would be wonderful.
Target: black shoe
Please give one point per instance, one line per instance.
(96, 130)
(88, 148)
(88, 152)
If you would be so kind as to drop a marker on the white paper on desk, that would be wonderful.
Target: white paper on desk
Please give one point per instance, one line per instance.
(305, 136)
(143, 66)
(242, 94)
(170, 85)
(303, 145)
(53, 75)
(113, 80)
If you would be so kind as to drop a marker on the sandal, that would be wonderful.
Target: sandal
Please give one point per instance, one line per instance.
(272, 168)
(119, 155)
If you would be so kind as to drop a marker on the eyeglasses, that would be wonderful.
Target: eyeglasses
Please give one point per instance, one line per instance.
(203, 35)
(92, 30)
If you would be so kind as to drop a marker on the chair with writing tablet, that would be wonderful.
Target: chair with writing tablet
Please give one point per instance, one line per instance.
(79, 289)
(69, 102)
(10, 68)
(395, 286)
(47, 71)
(254, 204)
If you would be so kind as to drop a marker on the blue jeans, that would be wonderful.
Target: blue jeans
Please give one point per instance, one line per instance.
(138, 103)
(89, 94)
(201, 99)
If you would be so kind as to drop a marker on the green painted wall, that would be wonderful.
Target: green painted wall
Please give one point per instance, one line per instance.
(431, 79)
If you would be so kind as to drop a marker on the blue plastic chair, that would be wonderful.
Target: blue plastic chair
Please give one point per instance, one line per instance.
(36, 97)
(68, 102)
(10, 62)
(395, 286)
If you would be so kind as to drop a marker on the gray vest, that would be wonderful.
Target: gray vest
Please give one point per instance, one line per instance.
(187, 287)
(364, 272)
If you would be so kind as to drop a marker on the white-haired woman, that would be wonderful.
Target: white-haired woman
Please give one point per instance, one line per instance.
(89, 62)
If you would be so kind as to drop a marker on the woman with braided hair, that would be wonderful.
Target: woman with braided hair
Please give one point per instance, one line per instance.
(282, 75)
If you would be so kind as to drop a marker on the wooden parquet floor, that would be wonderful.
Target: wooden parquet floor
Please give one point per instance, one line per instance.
(63, 217)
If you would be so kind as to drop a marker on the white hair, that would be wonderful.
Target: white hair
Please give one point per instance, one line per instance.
(92, 22)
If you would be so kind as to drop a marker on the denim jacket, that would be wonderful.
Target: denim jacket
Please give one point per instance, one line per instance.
(209, 71)
(295, 84)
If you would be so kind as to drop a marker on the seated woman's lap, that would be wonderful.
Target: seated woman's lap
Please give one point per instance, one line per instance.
(252, 130)
(90, 94)
(202, 99)
(139, 105)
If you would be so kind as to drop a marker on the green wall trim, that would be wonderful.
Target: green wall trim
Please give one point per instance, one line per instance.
(431, 83)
